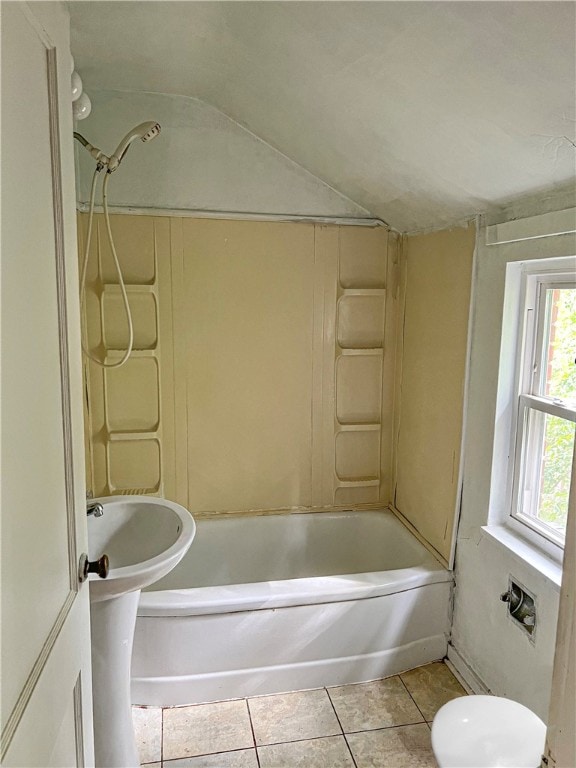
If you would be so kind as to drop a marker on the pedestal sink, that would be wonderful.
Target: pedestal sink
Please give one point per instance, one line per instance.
(144, 538)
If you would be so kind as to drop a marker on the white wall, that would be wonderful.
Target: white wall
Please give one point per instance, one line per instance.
(201, 160)
(499, 652)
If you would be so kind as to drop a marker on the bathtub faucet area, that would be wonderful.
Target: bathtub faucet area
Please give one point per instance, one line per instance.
(95, 509)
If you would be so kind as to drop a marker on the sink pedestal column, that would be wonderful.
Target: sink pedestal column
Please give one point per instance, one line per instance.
(113, 622)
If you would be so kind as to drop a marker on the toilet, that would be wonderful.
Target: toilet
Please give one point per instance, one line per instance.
(487, 731)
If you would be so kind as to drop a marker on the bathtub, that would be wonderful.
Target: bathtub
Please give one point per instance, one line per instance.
(265, 604)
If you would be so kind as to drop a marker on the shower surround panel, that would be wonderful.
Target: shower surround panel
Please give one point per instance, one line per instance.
(259, 379)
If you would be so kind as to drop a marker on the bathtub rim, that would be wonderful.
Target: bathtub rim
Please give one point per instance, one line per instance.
(286, 593)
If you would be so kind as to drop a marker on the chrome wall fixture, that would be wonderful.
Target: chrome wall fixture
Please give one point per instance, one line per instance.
(521, 606)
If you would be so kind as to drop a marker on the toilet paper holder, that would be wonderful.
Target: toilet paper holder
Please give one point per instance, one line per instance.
(521, 606)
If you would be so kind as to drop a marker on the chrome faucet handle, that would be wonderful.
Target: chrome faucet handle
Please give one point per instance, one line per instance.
(95, 509)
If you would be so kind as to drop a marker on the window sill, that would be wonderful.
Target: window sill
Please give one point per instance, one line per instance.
(549, 568)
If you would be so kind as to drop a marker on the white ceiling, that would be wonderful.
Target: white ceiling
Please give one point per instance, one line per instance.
(421, 112)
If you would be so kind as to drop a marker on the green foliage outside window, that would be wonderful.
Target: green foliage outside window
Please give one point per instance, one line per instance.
(559, 433)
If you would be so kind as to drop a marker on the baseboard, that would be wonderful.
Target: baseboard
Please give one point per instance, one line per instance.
(464, 673)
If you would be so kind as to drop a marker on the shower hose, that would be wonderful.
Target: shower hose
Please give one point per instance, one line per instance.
(126, 355)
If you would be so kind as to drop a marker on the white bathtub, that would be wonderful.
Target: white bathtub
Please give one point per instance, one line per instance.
(275, 603)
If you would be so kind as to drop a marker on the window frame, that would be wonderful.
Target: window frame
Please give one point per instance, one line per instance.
(536, 281)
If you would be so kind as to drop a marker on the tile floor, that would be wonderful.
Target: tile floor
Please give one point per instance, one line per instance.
(381, 724)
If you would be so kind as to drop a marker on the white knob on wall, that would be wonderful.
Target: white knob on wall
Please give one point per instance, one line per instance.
(82, 107)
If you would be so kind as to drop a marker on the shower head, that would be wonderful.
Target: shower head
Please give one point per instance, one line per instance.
(153, 130)
(145, 132)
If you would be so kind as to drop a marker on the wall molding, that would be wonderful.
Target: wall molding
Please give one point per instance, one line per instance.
(464, 673)
(56, 162)
(545, 225)
(26, 693)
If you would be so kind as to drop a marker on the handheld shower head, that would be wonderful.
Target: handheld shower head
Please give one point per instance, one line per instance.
(152, 132)
(145, 132)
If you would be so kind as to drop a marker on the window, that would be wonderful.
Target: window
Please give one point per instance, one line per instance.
(546, 415)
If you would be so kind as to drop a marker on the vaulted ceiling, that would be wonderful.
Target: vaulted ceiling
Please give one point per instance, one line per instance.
(421, 112)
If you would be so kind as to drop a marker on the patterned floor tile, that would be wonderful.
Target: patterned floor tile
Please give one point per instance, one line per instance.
(379, 704)
(243, 758)
(331, 752)
(206, 728)
(292, 716)
(148, 732)
(407, 746)
(431, 687)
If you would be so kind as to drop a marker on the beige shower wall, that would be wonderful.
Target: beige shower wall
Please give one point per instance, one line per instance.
(263, 371)
(245, 300)
(436, 271)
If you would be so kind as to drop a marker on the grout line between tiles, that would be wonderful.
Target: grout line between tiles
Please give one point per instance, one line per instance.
(350, 751)
(341, 728)
(162, 738)
(296, 741)
(206, 754)
(334, 709)
(252, 729)
(413, 699)
(386, 727)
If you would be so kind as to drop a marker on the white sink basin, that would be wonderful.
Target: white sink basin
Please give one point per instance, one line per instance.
(144, 538)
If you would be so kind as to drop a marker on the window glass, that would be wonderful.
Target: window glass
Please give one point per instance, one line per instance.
(558, 368)
(546, 407)
(546, 481)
